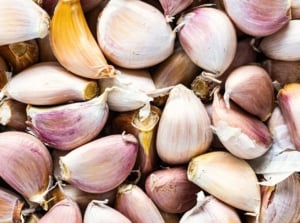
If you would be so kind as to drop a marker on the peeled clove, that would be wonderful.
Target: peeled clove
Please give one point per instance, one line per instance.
(48, 83)
(183, 133)
(243, 135)
(228, 178)
(250, 87)
(33, 163)
(99, 211)
(134, 34)
(68, 126)
(170, 190)
(110, 159)
(134, 203)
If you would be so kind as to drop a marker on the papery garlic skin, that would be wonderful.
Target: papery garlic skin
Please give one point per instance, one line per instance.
(110, 159)
(68, 126)
(183, 133)
(258, 18)
(208, 37)
(22, 20)
(134, 34)
(283, 45)
(33, 163)
(172, 8)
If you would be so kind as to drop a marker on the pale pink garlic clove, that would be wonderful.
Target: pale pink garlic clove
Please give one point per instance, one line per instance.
(100, 165)
(172, 8)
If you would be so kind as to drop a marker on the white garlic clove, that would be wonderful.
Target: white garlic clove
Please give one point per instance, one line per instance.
(68, 126)
(208, 37)
(110, 159)
(243, 135)
(183, 133)
(134, 34)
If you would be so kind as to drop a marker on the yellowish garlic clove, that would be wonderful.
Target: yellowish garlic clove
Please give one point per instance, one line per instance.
(283, 45)
(288, 100)
(243, 135)
(13, 114)
(33, 163)
(208, 37)
(20, 55)
(11, 206)
(110, 159)
(258, 18)
(73, 43)
(172, 8)
(183, 133)
(99, 211)
(68, 126)
(210, 210)
(135, 204)
(178, 68)
(295, 9)
(280, 202)
(48, 83)
(250, 87)
(227, 178)
(64, 211)
(21, 21)
(170, 189)
(134, 34)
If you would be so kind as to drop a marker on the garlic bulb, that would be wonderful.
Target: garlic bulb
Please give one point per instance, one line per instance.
(32, 159)
(64, 211)
(68, 126)
(258, 18)
(99, 211)
(209, 39)
(73, 43)
(134, 34)
(172, 8)
(48, 83)
(283, 45)
(22, 20)
(134, 203)
(110, 159)
(210, 210)
(243, 135)
(183, 133)
(250, 87)
(288, 101)
(227, 178)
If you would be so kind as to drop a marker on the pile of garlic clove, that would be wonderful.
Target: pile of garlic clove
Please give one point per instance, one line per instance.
(149, 111)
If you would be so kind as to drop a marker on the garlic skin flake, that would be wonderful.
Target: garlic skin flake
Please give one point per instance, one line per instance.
(134, 34)
(184, 127)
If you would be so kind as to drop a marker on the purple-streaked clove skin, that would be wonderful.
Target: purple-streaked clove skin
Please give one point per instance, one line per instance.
(26, 165)
(172, 8)
(170, 189)
(100, 165)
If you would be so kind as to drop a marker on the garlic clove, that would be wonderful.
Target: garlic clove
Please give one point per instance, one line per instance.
(258, 18)
(76, 49)
(11, 206)
(183, 133)
(134, 34)
(210, 210)
(208, 37)
(22, 21)
(134, 203)
(288, 100)
(250, 87)
(170, 190)
(243, 135)
(33, 161)
(227, 178)
(110, 159)
(48, 83)
(99, 211)
(282, 45)
(172, 8)
(68, 126)
(64, 211)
